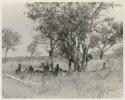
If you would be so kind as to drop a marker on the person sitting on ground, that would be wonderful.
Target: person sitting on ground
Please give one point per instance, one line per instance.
(30, 69)
(57, 69)
(42, 65)
(46, 67)
(19, 68)
(104, 66)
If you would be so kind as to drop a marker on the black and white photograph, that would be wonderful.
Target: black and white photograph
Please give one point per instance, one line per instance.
(62, 49)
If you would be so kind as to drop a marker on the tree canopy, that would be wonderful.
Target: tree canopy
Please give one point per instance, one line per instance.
(10, 40)
(68, 26)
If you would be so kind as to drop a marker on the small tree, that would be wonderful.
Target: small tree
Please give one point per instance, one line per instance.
(32, 48)
(10, 40)
(108, 33)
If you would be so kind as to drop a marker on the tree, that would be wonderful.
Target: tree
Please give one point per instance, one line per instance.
(43, 15)
(32, 48)
(108, 33)
(38, 40)
(67, 23)
(10, 40)
(77, 21)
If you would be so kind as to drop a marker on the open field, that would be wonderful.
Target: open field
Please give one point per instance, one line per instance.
(90, 84)
(62, 49)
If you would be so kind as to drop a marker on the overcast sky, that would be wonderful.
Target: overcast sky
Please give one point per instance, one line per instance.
(13, 17)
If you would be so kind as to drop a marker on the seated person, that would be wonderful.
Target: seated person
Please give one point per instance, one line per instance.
(57, 69)
(18, 69)
(46, 67)
(30, 69)
(104, 66)
(42, 65)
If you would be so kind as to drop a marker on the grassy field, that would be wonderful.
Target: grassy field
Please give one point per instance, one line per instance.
(90, 84)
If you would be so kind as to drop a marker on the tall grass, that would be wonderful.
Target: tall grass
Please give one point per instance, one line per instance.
(77, 85)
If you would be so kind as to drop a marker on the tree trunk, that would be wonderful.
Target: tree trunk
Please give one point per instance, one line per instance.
(76, 59)
(70, 64)
(52, 63)
(6, 54)
(83, 59)
(51, 53)
(101, 55)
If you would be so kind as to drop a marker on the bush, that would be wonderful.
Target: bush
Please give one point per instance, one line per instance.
(118, 51)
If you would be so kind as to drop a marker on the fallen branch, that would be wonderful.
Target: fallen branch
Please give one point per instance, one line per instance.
(28, 84)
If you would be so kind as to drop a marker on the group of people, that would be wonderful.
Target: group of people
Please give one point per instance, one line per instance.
(46, 68)
(43, 68)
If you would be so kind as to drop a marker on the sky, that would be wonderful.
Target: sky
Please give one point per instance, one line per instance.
(13, 17)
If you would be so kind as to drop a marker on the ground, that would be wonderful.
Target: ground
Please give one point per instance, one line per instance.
(90, 84)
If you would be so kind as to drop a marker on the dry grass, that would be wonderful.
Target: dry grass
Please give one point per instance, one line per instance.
(78, 85)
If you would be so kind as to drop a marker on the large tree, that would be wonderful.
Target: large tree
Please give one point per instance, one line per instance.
(10, 40)
(68, 24)
(76, 26)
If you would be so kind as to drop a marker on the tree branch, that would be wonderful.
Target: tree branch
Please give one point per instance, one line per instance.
(96, 43)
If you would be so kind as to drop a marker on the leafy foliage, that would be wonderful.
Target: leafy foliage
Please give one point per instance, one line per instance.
(108, 33)
(10, 40)
(32, 48)
(72, 25)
